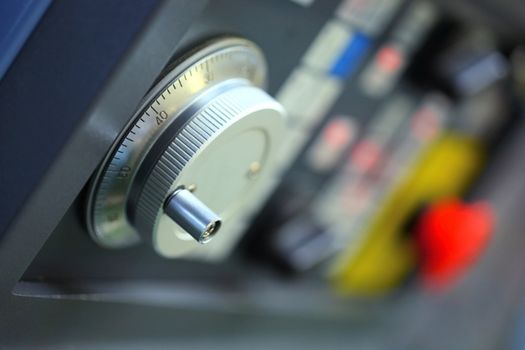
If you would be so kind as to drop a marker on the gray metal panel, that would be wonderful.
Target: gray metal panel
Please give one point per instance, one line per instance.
(129, 73)
(125, 322)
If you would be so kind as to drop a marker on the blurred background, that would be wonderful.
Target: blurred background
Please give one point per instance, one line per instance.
(393, 221)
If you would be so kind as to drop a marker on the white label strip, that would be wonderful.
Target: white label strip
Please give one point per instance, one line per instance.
(308, 95)
(370, 16)
(328, 45)
(320, 100)
(305, 3)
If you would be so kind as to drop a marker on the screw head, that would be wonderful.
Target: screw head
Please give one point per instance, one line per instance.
(254, 169)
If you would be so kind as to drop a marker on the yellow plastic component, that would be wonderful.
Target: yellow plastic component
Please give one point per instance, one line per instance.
(385, 258)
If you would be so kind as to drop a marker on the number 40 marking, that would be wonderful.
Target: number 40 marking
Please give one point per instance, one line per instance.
(161, 117)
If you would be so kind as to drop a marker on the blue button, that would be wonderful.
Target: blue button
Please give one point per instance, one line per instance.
(352, 56)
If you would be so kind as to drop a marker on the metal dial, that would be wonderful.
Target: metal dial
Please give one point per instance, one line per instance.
(208, 127)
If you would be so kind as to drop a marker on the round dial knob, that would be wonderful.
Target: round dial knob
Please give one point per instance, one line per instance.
(194, 157)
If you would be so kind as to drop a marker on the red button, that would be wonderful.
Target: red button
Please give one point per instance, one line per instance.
(389, 59)
(451, 235)
(366, 155)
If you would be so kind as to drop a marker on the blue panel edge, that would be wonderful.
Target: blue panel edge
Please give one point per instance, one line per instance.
(18, 18)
